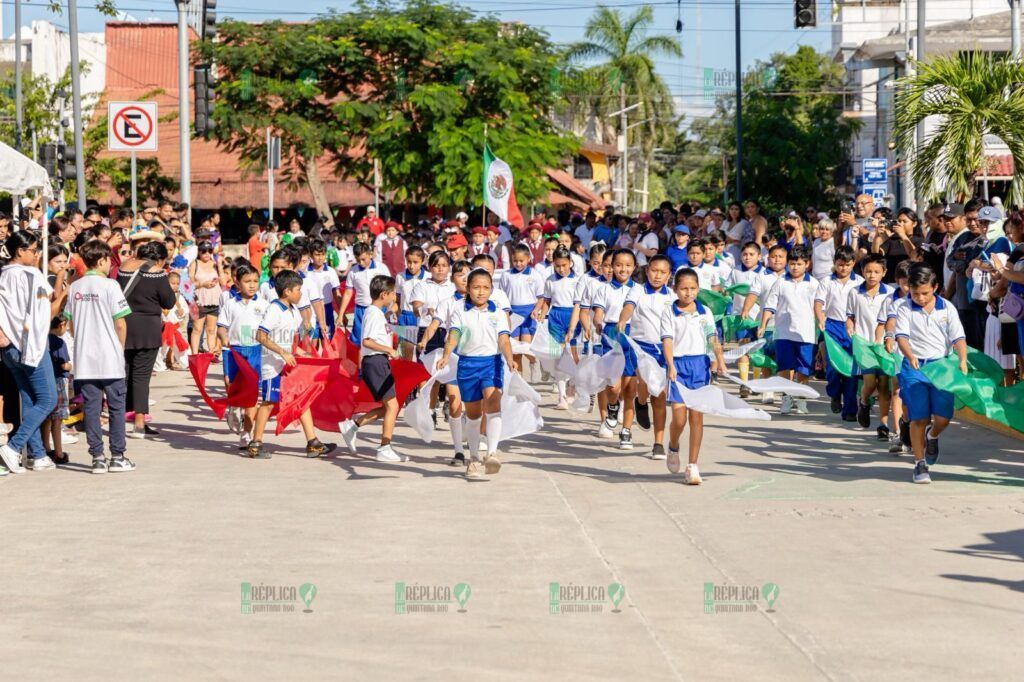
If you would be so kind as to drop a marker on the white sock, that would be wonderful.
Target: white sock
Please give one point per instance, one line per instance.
(561, 389)
(473, 437)
(455, 423)
(493, 432)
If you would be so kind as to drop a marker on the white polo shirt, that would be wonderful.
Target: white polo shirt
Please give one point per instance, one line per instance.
(430, 294)
(792, 303)
(242, 318)
(359, 279)
(375, 328)
(561, 292)
(741, 275)
(446, 309)
(479, 329)
(327, 279)
(865, 309)
(892, 304)
(523, 287)
(93, 303)
(931, 335)
(763, 283)
(588, 287)
(708, 275)
(406, 283)
(834, 295)
(268, 292)
(822, 256)
(311, 290)
(689, 331)
(280, 323)
(499, 299)
(610, 298)
(649, 305)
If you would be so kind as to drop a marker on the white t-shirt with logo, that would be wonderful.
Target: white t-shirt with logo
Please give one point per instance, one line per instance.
(281, 322)
(94, 302)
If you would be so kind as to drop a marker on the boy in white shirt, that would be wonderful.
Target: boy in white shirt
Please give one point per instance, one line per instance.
(276, 334)
(830, 304)
(791, 303)
(375, 353)
(357, 284)
(327, 281)
(96, 308)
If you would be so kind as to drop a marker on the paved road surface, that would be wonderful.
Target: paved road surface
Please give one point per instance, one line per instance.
(139, 576)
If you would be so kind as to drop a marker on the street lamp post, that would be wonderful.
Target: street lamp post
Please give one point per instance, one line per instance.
(76, 102)
(624, 143)
(183, 117)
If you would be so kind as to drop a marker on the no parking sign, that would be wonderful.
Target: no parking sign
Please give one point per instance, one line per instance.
(131, 126)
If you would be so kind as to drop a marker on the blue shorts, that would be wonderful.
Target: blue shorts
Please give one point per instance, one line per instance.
(795, 355)
(529, 325)
(407, 318)
(921, 397)
(357, 325)
(693, 372)
(329, 315)
(436, 341)
(558, 325)
(251, 354)
(652, 349)
(477, 372)
(599, 349)
(629, 368)
(270, 390)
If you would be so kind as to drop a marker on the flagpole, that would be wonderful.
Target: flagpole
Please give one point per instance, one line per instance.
(483, 207)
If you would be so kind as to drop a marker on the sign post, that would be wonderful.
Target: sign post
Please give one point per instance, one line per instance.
(131, 127)
(875, 176)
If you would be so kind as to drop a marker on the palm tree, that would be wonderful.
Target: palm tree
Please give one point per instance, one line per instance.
(626, 69)
(975, 94)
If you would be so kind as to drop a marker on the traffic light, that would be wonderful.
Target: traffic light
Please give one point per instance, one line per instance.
(66, 167)
(805, 13)
(202, 81)
(209, 19)
(48, 158)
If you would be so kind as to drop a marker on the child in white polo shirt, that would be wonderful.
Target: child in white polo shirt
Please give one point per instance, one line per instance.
(791, 303)
(886, 329)
(357, 284)
(561, 305)
(240, 316)
(96, 308)
(927, 326)
(760, 285)
(864, 303)
(607, 306)
(524, 287)
(830, 305)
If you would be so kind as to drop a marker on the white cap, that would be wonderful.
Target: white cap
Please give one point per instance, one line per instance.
(701, 213)
(822, 215)
(371, 208)
(462, 216)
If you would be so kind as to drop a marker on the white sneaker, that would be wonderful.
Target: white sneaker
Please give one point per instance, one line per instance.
(68, 437)
(41, 464)
(232, 418)
(348, 434)
(474, 469)
(160, 366)
(138, 434)
(605, 430)
(563, 404)
(11, 459)
(673, 461)
(243, 439)
(386, 453)
(492, 464)
(801, 406)
(691, 476)
(787, 406)
(767, 398)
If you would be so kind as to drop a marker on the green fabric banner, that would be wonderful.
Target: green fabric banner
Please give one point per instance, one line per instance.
(980, 388)
(733, 324)
(715, 301)
(837, 357)
(759, 359)
(874, 356)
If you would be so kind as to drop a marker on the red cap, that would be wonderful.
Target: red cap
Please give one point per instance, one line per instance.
(491, 229)
(392, 223)
(644, 217)
(456, 240)
(479, 230)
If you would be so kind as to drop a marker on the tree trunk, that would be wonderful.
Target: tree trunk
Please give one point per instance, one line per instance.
(317, 189)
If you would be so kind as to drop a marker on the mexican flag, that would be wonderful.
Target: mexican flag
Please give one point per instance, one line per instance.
(499, 193)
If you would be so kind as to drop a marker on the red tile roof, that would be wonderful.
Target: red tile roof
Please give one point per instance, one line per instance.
(1000, 166)
(576, 189)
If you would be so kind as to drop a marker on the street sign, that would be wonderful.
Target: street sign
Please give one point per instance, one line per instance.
(874, 172)
(131, 126)
(877, 192)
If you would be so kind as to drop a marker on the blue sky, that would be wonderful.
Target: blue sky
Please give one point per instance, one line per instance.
(707, 38)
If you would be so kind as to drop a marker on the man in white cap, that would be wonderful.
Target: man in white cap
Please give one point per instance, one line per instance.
(371, 222)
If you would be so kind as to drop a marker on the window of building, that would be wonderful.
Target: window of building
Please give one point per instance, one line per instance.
(581, 168)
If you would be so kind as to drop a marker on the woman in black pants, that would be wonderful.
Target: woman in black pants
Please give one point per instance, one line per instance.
(143, 279)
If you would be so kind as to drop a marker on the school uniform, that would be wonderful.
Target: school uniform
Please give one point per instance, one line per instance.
(523, 288)
(500, 299)
(649, 304)
(864, 309)
(444, 314)
(744, 275)
(587, 289)
(689, 332)
(763, 282)
(405, 284)
(707, 275)
(280, 323)
(359, 279)
(610, 298)
(579, 266)
(430, 295)
(930, 335)
(390, 253)
(544, 269)
(329, 283)
(480, 362)
(241, 319)
(375, 365)
(792, 303)
(833, 294)
(268, 292)
(561, 294)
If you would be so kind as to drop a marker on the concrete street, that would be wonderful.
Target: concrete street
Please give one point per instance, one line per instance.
(138, 576)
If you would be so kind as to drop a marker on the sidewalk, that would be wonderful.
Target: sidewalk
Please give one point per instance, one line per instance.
(140, 575)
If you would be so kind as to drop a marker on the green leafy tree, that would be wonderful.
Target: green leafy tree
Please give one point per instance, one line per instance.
(40, 106)
(975, 94)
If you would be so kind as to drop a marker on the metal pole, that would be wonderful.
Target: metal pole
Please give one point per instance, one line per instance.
(183, 117)
(1015, 48)
(134, 202)
(625, 148)
(739, 111)
(907, 194)
(376, 187)
(76, 102)
(17, 75)
(919, 199)
(483, 207)
(270, 176)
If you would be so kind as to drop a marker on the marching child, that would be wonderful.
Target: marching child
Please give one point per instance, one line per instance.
(561, 304)
(375, 356)
(327, 282)
(791, 303)
(864, 304)
(927, 326)
(830, 308)
(544, 268)
(687, 328)
(239, 319)
(524, 287)
(886, 330)
(405, 283)
(760, 285)
(481, 333)
(96, 309)
(708, 274)
(357, 284)
(607, 307)
(644, 306)
(276, 335)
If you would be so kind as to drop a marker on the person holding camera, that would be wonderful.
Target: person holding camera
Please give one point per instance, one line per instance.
(898, 240)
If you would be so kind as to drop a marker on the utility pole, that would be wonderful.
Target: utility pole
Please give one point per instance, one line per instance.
(76, 102)
(739, 111)
(1015, 49)
(17, 75)
(919, 199)
(625, 148)
(183, 108)
(908, 198)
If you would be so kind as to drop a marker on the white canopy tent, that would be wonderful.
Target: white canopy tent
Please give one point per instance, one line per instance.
(20, 175)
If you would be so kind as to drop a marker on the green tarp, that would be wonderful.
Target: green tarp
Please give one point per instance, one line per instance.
(980, 388)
